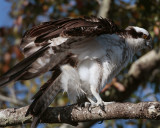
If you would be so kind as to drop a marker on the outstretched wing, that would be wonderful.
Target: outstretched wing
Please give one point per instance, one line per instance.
(59, 35)
(63, 34)
(72, 29)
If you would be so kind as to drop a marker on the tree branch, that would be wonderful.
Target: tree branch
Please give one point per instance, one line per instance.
(72, 114)
(104, 8)
(11, 100)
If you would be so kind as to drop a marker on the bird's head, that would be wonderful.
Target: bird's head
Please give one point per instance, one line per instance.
(138, 38)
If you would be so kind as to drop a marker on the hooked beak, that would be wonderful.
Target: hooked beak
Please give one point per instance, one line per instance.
(149, 44)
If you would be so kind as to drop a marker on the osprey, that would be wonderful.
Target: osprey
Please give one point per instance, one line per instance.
(83, 53)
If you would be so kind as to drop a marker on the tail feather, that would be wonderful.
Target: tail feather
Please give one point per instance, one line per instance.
(44, 97)
(20, 69)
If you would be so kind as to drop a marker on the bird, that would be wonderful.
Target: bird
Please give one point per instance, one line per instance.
(83, 54)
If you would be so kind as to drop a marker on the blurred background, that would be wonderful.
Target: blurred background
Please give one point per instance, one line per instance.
(16, 16)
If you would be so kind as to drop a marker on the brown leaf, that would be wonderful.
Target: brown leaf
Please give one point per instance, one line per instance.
(7, 57)
(156, 30)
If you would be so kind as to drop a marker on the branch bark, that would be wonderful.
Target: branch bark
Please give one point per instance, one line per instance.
(104, 8)
(72, 114)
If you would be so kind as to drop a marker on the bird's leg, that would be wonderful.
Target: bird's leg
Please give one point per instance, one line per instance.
(94, 101)
(99, 102)
(91, 103)
(81, 101)
(84, 103)
(98, 98)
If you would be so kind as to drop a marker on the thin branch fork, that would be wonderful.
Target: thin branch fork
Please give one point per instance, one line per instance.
(73, 114)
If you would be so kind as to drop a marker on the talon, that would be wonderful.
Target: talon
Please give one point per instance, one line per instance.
(100, 122)
(90, 108)
(78, 108)
(102, 107)
(81, 105)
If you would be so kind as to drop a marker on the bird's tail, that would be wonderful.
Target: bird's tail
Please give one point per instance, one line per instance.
(21, 68)
(44, 97)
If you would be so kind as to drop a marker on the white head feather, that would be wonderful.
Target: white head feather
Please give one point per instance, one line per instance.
(138, 38)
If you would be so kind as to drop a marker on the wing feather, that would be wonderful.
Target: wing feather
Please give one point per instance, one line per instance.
(21, 68)
(63, 35)
(75, 30)
(68, 27)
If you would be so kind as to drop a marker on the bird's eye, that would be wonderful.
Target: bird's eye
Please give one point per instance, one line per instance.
(145, 36)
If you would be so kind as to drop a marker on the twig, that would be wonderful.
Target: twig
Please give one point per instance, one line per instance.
(11, 100)
(104, 8)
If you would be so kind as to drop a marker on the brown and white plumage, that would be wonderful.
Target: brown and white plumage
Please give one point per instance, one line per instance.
(83, 53)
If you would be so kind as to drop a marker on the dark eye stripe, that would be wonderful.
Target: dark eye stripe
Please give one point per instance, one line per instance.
(136, 35)
(140, 34)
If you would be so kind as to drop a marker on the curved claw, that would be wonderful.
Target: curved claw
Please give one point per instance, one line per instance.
(102, 104)
(102, 107)
(100, 122)
(80, 106)
(89, 105)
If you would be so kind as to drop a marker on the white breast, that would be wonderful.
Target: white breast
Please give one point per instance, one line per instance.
(99, 60)
(117, 56)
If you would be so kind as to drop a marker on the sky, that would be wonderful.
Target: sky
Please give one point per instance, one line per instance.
(5, 19)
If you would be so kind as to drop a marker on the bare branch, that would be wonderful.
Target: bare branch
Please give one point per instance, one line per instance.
(73, 114)
(11, 100)
(145, 65)
(104, 8)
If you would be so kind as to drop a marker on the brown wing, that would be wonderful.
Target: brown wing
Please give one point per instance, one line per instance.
(21, 68)
(90, 26)
(75, 30)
